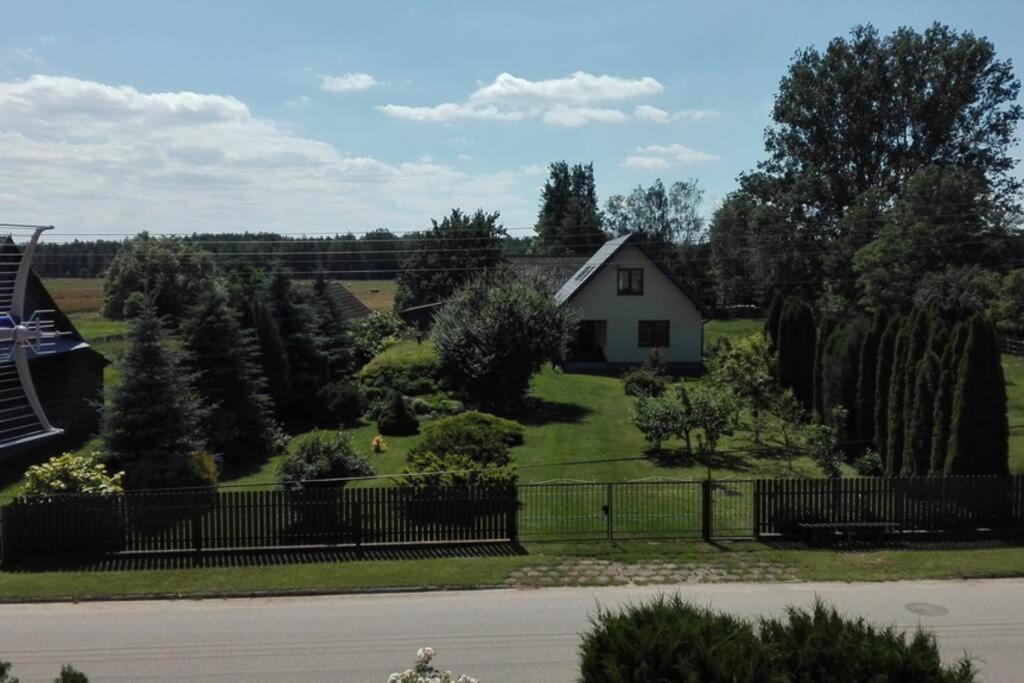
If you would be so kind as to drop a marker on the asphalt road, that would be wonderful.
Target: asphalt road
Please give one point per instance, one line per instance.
(503, 635)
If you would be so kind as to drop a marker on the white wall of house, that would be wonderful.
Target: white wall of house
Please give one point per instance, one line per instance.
(661, 300)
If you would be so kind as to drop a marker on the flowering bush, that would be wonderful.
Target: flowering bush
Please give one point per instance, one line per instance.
(423, 672)
(69, 473)
(378, 444)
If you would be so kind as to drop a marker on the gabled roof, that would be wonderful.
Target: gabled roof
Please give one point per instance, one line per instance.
(605, 254)
(349, 306)
(554, 269)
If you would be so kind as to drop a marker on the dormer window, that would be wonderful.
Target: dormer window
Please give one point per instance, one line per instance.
(631, 281)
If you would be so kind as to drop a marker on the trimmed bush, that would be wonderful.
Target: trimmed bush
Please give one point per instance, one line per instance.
(454, 472)
(644, 382)
(407, 367)
(323, 455)
(342, 403)
(397, 418)
(480, 436)
(667, 639)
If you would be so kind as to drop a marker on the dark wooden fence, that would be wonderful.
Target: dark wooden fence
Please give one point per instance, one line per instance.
(1014, 347)
(917, 504)
(204, 519)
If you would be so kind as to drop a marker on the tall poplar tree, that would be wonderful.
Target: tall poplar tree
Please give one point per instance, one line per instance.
(797, 340)
(867, 367)
(917, 448)
(950, 362)
(883, 377)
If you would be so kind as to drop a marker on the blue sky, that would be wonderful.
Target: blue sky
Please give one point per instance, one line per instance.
(325, 116)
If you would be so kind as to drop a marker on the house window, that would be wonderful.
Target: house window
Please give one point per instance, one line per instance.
(653, 334)
(631, 281)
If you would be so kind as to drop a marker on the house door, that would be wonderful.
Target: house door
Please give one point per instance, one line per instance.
(591, 337)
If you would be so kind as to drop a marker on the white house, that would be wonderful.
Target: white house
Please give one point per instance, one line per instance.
(631, 305)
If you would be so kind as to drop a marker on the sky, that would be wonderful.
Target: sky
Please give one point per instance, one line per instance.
(322, 117)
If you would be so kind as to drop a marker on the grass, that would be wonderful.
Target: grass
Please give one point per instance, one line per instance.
(378, 295)
(741, 327)
(76, 294)
(242, 578)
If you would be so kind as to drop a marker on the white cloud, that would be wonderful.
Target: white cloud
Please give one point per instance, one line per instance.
(579, 88)
(28, 54)
(90, 157)
(450, 111)
(300, 101)
(647, 163)
(563, 115)
(677, 152)
(645, 112)
(351, 82)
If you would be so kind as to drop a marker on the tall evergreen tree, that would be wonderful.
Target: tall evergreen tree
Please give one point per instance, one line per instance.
(151, 418)
(867, 367)
(771, 319)
(918, 441)
(303, 347)
(825, 329)
(225, 360)
(883, 377)
(273, 358)
(838, 369)
(917, 342)
(570, 221)
(950, 362)
(978, 430)
(797, 339)
(894, 432)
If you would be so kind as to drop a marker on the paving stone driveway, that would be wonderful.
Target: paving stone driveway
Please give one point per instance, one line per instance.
(588, 572)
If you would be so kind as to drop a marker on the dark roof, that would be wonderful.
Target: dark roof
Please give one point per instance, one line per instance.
(556, 269)
(601, 257)
(348, 305)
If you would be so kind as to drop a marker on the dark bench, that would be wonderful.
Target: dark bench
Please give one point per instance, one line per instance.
(817, 531)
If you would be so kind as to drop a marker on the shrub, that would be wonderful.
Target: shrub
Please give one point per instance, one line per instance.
(423, 672)
(397, 419)
(69, 473)
(482, 437)
(203, 469)
(368, 336)
(667, 639)
(378, 444)
(496, 334)
(455, 471)
(644, 382)
(342, 403)
(323, 455)
(869, 464)
(408, 367)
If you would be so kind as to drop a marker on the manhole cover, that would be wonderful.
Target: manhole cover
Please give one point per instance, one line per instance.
(926, 609)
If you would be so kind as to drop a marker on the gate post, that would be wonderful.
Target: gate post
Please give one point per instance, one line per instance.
(609, 511)
(757, 509)
(707, 507)
(197, 523)
(513, 515)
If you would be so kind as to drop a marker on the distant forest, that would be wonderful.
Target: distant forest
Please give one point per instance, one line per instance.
(371, 256)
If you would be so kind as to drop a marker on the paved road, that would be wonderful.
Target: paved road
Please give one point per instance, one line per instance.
(505, 635)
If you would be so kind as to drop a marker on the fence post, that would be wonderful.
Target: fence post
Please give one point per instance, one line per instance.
(899, 493)
(757, 509)
(357, 522)
(609, 512)
(197, 523)
(513, 514)
(707, 508)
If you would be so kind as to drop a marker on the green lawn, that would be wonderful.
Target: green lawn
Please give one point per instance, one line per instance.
(376, 294)
(730, 560)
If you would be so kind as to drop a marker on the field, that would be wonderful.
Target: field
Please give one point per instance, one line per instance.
(378, 295)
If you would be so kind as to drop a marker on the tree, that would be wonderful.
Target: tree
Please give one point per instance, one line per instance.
(943, 409)
(771, 319)
(894, 430)
(796, 350)
(225, 360)
(792, 416)
(867, 368)
(171, 272)
(883, 377)
(449, 255)
(946, 217)
(273, 358)
(496, 333)
(869, 112)
(746, 368)
(840, 363)
(823, 442)
(151, 420)
(917, 445)
(570, 221)
(824, 333)
(916, 348)
(978, 430)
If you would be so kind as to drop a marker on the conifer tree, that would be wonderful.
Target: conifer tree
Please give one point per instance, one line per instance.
(771, 319)
(883, 376)
(917, 341)
(894, 431)
(867, 367)
(978, 430)
(273, 358)
(918, 442)
(944, 397)
(796, 350)
(824, 333)
(569, 221)
(225, 360)
(151, 418)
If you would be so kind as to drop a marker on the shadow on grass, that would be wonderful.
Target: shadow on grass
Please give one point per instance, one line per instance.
(680, 457)
(538, 412)
(258, 558)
